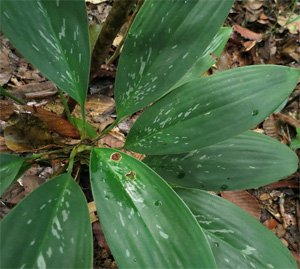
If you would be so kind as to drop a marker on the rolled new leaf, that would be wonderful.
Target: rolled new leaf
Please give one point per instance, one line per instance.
(249, 160)
(11, 167)
(144, 222)
(50, 228)
(211, 109)
(166, 39)
(53, 36)
(237, 239)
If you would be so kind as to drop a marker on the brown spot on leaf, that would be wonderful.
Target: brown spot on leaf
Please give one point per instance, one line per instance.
(116, 157)
(131, 175)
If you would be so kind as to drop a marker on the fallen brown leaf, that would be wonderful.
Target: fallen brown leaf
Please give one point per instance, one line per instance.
(246, 33)
(56, 123)
(6, 109)
(244, 200)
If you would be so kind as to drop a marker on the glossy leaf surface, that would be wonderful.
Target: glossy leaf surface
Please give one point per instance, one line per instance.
(50, 228)
(236, 238)
(211, 109)
(53, 36)
(144, 222)
(10, 166)
(213, 51)
(165, 41)
(249, 160)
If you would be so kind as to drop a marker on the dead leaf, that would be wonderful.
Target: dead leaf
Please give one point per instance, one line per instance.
(244, 200)
(56, 123)
(294, 26)
(95, 2)
(271, 223)
(253, 4)
(6, 109)
(3, 147)
(27, 133)
(92, 211)
(248, 45)
(289, 183)
(288, 119)
(272, 127)
(35, 90)
(246, 33)
(6, 69)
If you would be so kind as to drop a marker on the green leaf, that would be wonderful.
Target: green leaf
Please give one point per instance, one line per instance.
(11, 167)
(85, 128)
(165, 41)
(249, 160)
(211, 109)
(50, 228)
(94, 31)
(237, 239)
(295, 144)
(53, 36)
(145, 223)
(214, 50)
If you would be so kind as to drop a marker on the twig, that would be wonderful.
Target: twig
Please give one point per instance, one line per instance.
(118, 49)
(116, 18)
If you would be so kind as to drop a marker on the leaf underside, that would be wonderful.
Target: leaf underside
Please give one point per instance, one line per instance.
(130, 196)
(249, 160)
(50, 228)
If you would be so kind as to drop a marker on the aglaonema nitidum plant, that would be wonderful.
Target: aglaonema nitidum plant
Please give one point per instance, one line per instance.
(154, 213)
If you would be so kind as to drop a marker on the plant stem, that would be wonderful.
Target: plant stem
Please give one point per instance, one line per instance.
(5, 93)
(74, 152)
(111, 27)
(67, 112)
(118, 49)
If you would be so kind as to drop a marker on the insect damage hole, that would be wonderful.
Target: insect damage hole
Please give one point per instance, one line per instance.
(131, 175)
(116, 157)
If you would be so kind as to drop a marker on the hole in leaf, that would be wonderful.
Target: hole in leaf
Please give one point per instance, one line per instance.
(116, 157)
(131, 175)
(255, 112)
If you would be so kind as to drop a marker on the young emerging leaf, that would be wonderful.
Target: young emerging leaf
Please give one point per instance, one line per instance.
(53, 36)
(211, 109)
(249, 160)
(11, 166)
(160, 230)
(236, 238)
(50, 228)
(166, 39)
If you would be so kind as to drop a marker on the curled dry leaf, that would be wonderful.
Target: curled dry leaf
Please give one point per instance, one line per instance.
(244, 200)
(56, 123)
(246, 33)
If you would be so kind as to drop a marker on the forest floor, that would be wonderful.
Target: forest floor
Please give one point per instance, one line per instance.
(261, 35)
